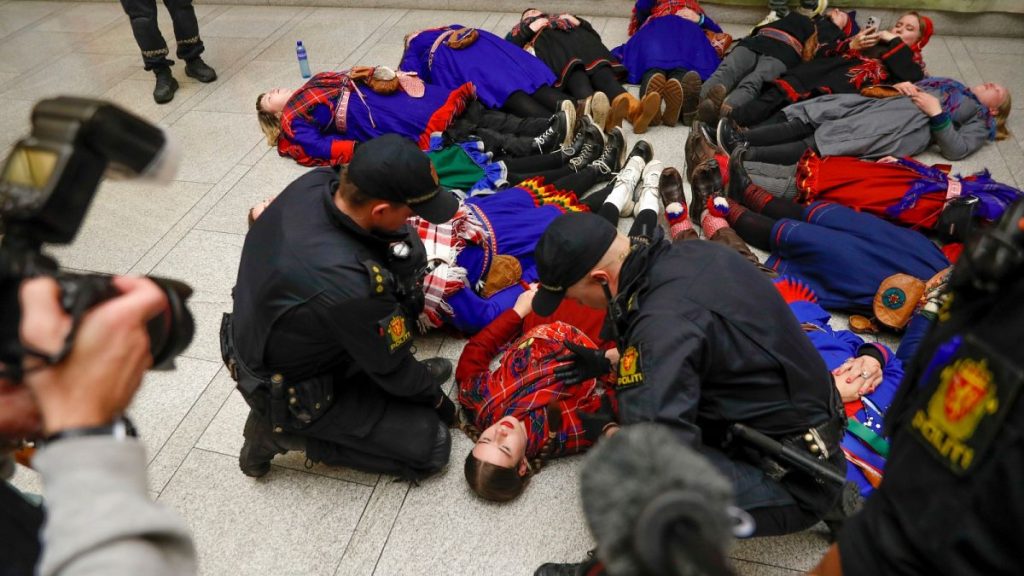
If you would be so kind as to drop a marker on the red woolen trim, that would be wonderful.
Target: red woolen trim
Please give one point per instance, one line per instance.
(443, 117)
(899, 47)
(342, 150)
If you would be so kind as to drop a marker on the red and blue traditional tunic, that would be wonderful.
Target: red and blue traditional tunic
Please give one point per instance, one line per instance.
(323, 120)
(523, 383)
(902, 190)
(863, 445)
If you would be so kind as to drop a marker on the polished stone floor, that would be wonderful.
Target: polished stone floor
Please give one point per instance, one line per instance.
(320, 520)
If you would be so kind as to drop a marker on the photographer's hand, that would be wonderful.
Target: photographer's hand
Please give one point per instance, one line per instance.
(111, 353)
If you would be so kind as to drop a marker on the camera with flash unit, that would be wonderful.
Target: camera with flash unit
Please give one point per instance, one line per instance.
(46, 186)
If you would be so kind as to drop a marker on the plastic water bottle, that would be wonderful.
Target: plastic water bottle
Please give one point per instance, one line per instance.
(300, 52)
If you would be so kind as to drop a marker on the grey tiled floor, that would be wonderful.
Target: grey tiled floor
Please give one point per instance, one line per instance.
(320, 520)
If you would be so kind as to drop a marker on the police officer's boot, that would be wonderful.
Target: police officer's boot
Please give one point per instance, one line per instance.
(262, 444)
(850, 502)
(166, 85)
(440, 369)
(589, 567)
(200, 70)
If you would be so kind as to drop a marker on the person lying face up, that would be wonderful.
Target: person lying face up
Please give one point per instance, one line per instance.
(539, 399)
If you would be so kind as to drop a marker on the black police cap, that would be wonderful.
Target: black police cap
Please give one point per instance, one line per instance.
(570, 248)
(393, 168)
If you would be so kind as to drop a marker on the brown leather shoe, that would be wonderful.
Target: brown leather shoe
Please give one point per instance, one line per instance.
(698, 149)
(672, 94)
(617, 112)
(730, 238)
(642, 111)
(705, 184)
(710, 109)
(654, 84)
(670, 187)
(691, 95)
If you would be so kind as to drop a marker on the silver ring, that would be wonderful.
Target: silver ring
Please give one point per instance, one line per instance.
(865, 374)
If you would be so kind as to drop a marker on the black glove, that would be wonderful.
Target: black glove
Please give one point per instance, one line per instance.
(594, 422)
(446, 410)
(583, 364)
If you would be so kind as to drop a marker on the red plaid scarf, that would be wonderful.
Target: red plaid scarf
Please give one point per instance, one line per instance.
(523, 385)
(443, 243)
(324, 88)
(663, 8)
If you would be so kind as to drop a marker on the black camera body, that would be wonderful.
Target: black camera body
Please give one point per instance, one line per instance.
(46, 186)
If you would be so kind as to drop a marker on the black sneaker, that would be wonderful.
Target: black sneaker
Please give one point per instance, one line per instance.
(196, 68)
(643, 149)
(553, 137)
(727, 136)
(166, 85)
(573, 148)
(593, 145)
(614, 154)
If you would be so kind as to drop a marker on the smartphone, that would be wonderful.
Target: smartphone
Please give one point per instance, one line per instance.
(871, 22)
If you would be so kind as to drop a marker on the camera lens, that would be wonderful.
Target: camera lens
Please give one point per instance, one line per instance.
(171, 332)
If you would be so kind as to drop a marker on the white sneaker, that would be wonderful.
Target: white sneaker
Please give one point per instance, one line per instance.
(625, 183)
(649, 196)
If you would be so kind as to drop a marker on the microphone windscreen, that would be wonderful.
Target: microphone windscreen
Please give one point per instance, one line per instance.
(623, 474)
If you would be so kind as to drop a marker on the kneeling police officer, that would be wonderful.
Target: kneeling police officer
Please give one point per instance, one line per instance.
(320, 340)
(706, 342)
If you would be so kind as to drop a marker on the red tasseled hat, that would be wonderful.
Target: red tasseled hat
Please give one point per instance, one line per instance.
(927, 29)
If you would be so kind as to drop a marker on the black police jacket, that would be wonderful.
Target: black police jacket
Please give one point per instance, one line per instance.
(707, 341)
(953, 496)
(313, 296)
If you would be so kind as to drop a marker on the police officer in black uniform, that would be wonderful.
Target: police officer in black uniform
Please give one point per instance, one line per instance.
(953, 496)
(706, 341)
(321, 336)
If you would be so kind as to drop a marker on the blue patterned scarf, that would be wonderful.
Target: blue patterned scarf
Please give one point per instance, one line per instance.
(952, 96)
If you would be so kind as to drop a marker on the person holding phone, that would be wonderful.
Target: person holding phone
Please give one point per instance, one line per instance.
(869, 58)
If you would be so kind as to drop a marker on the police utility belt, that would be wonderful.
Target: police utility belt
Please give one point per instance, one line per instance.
(289, 405)
(809, 451)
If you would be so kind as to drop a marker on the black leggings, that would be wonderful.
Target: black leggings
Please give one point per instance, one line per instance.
(761, 108)
(541, 104)
(582, 84)
(551, 166)
(782, 143)
(756, 227)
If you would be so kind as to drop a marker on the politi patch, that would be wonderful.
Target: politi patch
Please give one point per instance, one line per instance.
(971, 397)
(631, 369)
(395, 330)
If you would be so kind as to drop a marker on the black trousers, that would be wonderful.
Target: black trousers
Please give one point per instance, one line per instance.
(406, 439)
(501, 133)
(142, 14)
(541, 104)
(20, 523)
